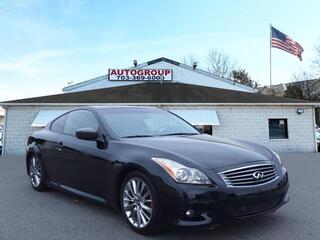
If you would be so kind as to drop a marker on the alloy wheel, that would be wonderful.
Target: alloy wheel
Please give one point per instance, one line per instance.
(35, 172)
(137, 203)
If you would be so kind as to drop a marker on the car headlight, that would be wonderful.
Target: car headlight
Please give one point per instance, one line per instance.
(181, 173)
(277, 157)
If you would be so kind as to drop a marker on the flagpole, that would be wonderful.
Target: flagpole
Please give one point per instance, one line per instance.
(270, 63)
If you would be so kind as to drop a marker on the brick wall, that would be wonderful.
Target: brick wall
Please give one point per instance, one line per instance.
(250, 123)
(18, 128)
(239, 122)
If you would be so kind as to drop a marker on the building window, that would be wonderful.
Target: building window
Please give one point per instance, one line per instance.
(205, 128)
(278, 129)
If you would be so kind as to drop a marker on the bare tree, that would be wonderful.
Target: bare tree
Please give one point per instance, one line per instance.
(190, 59)
(293, 91)
(316, 62)
(302, 76)
(220, 63)
(303, 86)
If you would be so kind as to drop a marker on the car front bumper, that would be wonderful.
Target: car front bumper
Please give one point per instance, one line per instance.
(195, 206)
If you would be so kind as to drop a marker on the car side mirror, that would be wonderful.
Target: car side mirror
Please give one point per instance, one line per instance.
(87, 134)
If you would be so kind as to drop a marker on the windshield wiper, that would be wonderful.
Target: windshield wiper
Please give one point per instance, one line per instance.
(137, 136)
(168, 134)
(173, 134)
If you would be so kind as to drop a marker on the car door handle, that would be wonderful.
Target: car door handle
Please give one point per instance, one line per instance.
(59, 146)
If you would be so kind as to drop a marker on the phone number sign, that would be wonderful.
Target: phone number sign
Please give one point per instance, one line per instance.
(140, 74)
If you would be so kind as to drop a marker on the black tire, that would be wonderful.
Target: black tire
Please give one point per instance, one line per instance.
(38, 185)
(153, 224)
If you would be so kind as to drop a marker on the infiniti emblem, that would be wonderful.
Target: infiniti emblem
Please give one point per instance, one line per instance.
(258, 175)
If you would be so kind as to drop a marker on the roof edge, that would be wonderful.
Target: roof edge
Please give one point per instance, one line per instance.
(84, 83)
(3, 104)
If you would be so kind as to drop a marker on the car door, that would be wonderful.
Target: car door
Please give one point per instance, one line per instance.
(83, 164)
(51, 150)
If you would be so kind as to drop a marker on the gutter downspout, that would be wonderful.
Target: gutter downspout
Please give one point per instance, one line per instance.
(4, 130)
(314, 129)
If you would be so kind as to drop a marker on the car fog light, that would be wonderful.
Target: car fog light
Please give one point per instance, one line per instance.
(190, 213)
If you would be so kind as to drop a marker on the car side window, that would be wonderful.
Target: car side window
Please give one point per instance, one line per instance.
(58, 124)
(80, 119)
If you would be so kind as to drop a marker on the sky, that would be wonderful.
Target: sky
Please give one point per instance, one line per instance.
(46, 44)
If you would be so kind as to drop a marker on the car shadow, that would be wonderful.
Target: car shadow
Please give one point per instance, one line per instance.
(83, 202)
(235, 230)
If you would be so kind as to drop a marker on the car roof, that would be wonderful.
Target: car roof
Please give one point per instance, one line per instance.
(101, 107)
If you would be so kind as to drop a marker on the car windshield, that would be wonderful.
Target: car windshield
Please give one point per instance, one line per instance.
(135, 122)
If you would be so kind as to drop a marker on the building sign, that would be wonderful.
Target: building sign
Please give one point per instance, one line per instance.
(140, 74)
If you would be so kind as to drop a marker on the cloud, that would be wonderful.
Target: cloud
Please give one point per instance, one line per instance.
(9, 5)
(28, 64)
(71, 7)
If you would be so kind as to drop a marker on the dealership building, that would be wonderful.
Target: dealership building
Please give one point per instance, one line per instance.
(219, 106)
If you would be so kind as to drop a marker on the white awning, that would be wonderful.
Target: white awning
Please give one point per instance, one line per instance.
(1, 112)
(198, 117)
(45, 116)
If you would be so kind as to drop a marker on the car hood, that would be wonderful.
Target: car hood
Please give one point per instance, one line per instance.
(207, 151)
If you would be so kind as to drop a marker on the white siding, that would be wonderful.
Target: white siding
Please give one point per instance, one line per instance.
(18, 126)
(239, 122)
(101, 82)
(250, 123)
(180, 74)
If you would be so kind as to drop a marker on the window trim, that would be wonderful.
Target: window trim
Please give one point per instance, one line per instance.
(53, 121)
(286, 129)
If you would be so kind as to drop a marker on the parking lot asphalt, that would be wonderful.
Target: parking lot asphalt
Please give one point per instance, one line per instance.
(27, 214)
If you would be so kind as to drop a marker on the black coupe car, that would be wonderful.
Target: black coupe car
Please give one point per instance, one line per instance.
(155, 167)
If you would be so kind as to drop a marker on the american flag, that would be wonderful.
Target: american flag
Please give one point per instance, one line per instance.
(285, 43)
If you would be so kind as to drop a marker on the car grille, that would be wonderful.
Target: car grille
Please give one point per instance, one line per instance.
(250, 175)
